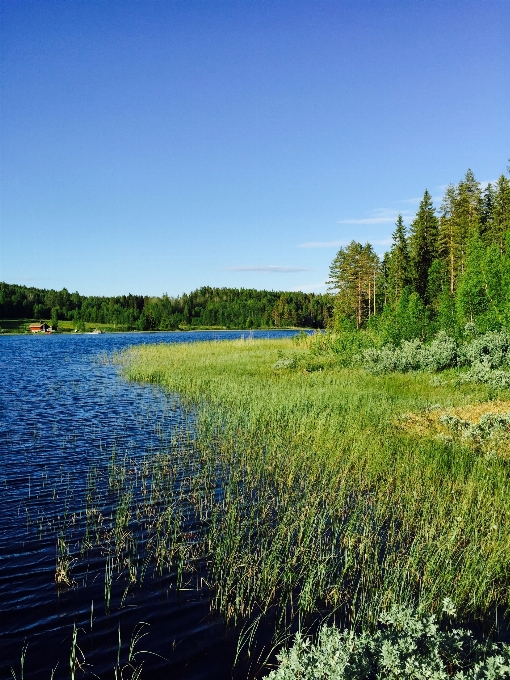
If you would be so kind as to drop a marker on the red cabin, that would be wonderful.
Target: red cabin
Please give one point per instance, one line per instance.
(39, 328)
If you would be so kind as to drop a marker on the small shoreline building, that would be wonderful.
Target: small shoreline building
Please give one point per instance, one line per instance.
(40, 328)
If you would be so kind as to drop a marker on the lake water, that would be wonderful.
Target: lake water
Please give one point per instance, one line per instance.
(63, 408)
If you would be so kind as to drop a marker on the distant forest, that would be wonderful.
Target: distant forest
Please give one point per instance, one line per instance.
(449, 269)
(218, 307)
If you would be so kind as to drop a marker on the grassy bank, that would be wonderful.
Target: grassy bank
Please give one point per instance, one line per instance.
(314, 498)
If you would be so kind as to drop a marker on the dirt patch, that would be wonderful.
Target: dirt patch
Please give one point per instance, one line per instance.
(440, 423)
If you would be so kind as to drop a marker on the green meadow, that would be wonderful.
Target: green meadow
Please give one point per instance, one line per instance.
(315, 500)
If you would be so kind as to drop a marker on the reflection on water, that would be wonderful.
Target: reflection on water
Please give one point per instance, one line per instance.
(65, 417)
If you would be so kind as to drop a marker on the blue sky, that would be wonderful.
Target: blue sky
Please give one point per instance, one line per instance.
(152, 147)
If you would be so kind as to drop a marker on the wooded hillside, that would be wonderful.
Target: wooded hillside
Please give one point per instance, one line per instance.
(223, 307)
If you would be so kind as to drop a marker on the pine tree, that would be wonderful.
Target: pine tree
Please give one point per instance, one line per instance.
(354, 276)
(398, 263)
(384, 277)
(423, 244)
(459, 223)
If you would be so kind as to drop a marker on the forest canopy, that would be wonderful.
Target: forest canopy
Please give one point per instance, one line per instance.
(450, 268)
(209, 307)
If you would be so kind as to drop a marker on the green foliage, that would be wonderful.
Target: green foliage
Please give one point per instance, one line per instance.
(205, 307)
(485, 355)
(54, 318)
(407, 319)
(344, 346)
(313, 500)
(398, 263)
(446, 317)
(482, 373)
(413, 355)
(407, 645)
(500, 218)
(491, 350)
(450, 269)
(483, 292)
(353, 275)
(286, 362)
(423, 245)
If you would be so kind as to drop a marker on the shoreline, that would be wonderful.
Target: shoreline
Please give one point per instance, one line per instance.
(195, 329)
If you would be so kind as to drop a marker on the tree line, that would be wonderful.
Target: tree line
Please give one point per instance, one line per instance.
(451, 267)
(216, 307)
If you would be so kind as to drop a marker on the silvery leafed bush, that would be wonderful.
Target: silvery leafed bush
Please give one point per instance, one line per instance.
(407, 646)
(413, 355)
(487, 357)
(441, 353)
(285, 362)
(482, 373)
(490, 350)
(490, 427)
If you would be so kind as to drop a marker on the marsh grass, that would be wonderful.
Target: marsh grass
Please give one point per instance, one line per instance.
(285, 487)
(301, 497)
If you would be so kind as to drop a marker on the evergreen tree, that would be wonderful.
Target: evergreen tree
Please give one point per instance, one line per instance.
(459, 222)
(398, 263)
(468, 206)
(423, 244)
(447, 238)
(354, 275)
(384, 277)
(487, 214)
(501, 212)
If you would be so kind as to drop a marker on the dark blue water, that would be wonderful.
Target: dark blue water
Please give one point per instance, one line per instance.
(63, 409)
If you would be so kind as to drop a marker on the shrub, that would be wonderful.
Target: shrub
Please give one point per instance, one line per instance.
(481, 373)
(407, 645)
(286, 362)
(490, 429)
(490, 350)
(485, 355)
(344, 346)
(412, 355)
(442, 353)
(379, 360)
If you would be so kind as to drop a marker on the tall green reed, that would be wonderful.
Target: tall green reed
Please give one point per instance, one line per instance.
(308, 499)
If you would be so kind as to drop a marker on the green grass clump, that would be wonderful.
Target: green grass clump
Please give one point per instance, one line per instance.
(311, 498)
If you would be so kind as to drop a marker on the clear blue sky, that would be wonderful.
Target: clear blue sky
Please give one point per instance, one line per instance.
(152, 147)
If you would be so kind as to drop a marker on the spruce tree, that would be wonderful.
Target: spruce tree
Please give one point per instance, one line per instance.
(459, 223)
(398, 263)
(501, 212)
(468, 207)
(423, 244)
(487, 214)
(384, 277)
(447, 237)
